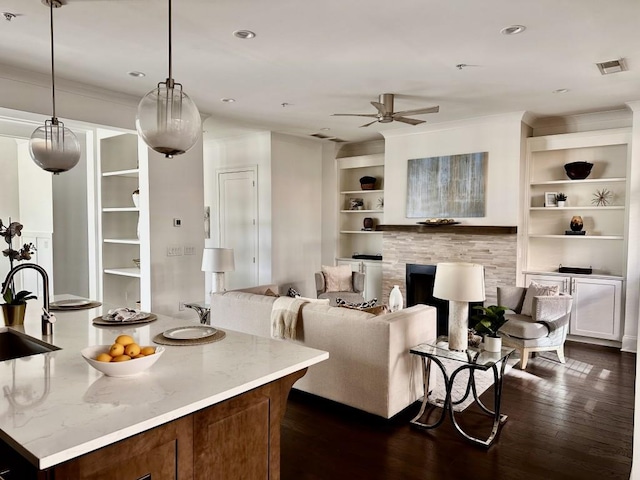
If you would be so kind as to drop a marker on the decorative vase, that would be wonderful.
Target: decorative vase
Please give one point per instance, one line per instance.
(492, 344)
(395, 299)
(576, 223)
(13, 314)
(368, 223)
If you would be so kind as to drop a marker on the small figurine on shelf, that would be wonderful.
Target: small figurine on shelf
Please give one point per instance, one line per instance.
(602, 198)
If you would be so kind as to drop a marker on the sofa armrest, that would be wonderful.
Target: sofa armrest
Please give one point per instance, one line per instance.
(320, 285)
(511, 297)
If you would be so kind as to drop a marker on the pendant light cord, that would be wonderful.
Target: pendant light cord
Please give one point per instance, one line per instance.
(170, 65)
(53, 77)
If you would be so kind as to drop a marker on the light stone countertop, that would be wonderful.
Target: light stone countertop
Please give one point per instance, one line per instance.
(77, 409)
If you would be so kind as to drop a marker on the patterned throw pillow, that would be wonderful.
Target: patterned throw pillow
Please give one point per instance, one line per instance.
(292, 292)
(536, 290)
(368, 304)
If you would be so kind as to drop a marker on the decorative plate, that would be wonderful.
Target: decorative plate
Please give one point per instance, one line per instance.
(71, 303)
(438, 223)
(189, 333)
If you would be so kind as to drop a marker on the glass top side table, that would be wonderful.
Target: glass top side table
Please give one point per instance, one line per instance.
(472, 359)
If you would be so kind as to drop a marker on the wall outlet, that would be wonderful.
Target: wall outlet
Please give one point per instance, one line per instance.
(189, 250)
(174, 250)
(177, 222)
(181, 306)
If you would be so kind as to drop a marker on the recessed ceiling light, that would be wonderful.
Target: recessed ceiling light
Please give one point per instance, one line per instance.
(561, 90)
(325, 129)
(244, 34)
(135, 73)
(513, 29)
(227, 100)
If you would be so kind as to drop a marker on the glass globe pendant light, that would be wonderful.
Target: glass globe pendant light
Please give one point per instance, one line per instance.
(53, 147)
(167, 120)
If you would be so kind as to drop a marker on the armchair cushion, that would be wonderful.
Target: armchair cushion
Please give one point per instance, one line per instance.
(523, 326)
(338, 278)
(535, 290)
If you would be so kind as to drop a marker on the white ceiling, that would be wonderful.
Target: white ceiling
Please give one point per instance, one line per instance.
(335, 56)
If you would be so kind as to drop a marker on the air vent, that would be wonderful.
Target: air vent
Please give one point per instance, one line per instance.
(612, 66)
(319, 135)
(337, 140)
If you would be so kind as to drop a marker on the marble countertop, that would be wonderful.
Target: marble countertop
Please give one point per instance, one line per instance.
(55, 407)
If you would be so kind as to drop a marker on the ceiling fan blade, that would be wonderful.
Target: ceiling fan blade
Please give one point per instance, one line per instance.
(410, 121)
(370, 115)
(380, 107)
(367, 124)
(418, 111)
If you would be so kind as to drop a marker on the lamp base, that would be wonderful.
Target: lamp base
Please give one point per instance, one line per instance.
(458, 325)
(217, 284)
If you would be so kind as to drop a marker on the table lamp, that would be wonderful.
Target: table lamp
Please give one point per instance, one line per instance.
(460, 283)
(218, 261)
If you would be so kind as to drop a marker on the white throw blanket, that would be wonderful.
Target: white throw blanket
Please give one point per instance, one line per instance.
(284, 317)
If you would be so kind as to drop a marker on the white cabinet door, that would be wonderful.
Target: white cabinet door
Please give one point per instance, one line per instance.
(597, 305)
(561, 282)
(373, 281)
(356, 266)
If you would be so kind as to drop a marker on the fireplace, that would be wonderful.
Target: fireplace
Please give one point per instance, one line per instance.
(419, 281)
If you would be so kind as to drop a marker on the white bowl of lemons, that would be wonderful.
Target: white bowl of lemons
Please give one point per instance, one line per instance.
(123, 358)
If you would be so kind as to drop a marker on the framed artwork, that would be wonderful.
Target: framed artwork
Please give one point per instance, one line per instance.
(447, 187)
(550, 199)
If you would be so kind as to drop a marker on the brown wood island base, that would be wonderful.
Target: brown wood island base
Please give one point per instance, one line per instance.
(237, 438)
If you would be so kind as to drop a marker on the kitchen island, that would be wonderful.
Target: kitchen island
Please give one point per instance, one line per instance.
(202, 411)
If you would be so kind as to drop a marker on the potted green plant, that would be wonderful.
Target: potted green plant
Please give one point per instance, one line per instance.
(561, 198)
(488, 324)
(15, 304)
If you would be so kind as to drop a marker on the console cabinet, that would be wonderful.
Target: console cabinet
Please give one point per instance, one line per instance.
(597, 303)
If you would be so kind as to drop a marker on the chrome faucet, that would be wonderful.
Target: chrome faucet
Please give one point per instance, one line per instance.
(48, 319)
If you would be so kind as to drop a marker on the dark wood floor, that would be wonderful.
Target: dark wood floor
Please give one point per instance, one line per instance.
(571, 421)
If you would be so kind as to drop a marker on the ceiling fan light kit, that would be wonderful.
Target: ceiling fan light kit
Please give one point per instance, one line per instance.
(53, 147)
(168, 120)
(385, 114)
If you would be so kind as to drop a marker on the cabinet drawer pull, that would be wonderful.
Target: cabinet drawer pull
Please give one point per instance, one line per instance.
(145, 477)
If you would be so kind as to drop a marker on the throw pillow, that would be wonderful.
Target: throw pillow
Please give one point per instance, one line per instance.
(536, 290)
(368, 304)
(377, 310)
(271, 293)
(292, 292)
(338, 279)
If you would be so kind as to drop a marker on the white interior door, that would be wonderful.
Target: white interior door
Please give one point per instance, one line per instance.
(238, 217)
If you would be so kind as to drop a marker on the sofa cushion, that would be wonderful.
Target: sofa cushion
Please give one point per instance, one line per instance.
(523, 326)
(338, 278)
(536, 290)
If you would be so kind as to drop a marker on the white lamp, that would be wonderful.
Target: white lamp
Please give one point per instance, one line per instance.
(460, 283)
(218, 261)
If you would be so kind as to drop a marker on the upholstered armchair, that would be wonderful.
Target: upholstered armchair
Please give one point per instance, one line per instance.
(544, 330)
(357, 285)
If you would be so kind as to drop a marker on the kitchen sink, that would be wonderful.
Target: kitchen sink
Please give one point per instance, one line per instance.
(14, 344)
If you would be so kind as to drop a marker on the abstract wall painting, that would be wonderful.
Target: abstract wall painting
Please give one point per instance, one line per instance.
(447, 187)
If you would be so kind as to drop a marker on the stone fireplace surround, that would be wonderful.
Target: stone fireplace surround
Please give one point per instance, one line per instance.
(493, 247)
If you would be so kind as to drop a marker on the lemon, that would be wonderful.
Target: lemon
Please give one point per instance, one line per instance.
(103, 357)
(116, 350)
(147, 350)
(121, 358)
(139, 356)
(133, 350)
(125, 340)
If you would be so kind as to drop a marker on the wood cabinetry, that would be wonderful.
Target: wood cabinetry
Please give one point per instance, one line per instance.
(124, 226)
(597, 303)
(236, 438)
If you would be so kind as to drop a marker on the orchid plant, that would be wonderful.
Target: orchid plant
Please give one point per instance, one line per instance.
(14, 229)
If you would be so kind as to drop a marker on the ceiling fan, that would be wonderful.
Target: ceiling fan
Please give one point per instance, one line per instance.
(385, 114)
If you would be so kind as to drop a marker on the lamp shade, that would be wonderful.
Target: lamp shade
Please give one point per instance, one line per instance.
(218, 260)
(459, 282)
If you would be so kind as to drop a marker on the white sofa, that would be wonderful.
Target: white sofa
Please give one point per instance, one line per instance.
(369, 365)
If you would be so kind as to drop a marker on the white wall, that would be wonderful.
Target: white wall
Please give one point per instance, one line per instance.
(329, 204)
(498, 135)
(296, 176)
(9, 201)
(176, 191)
(242, 151)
